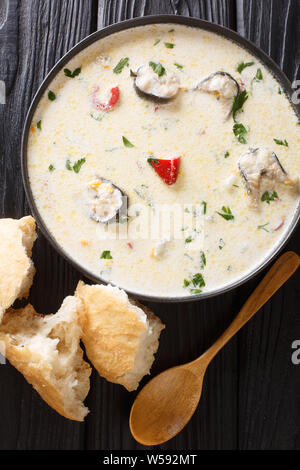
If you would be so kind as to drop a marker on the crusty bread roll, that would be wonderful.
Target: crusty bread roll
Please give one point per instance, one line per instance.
(46, 350)
(17, 269)
(120, 336)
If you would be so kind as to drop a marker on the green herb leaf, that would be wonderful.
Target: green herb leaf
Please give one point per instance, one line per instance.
(73, 74)
(195, 291)
(179, 66)
(203, 259)
(171, 30)
(51, 95)
(77, 166)
(226, 213)
(269, 196)
(169, 45)
(121, 64)
(188, 239)
(39, 125)
(127, 143)
(198, 280)
(152, 160)
(263, 227)
(240, 131)
(204, 204)
(76, 72)
(186, 283)
(226, 154)
(281, 142)
(242, 65)
(238, 102)
(156, 42)
(157, 68)
(68, 73)
(106, 255)
(279, 91)
(259, 75)
(51, 168)
(68, 165)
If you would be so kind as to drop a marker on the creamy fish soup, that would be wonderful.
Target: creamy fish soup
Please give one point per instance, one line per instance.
(164, 159)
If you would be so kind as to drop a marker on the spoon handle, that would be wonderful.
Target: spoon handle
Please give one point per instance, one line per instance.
(279, 273)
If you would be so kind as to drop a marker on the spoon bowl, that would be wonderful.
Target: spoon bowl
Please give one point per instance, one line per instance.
(157, 411)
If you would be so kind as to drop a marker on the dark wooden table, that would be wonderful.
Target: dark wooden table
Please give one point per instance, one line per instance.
(251, 396)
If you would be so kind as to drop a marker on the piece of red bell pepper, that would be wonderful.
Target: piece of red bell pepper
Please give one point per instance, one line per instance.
(167, 169)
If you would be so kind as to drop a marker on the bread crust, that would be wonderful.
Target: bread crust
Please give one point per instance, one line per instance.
(112, 328)
(35, 369)
(17, 269)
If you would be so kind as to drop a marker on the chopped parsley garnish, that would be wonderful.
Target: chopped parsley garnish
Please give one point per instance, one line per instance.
(51, 168)
(77, 166)
(179, 66)
(221, 244)
(269, 196)
(152, 160)
(73, 74)
(188, 239)
(263, 227)
(121, 64)
(39, 125)
(240, 131)
(242, 65)
(204, 204)
(279, 91)
(51, 95)
(169, 45)
(226, 154)
(195, 291)
(259, 75)
(171, 30)
(203, 259)
(198, 280)
(126, 142)
(226, 213)
(157, 68)
(281, 142)
(68, 165)
(156, 42)
(238, 103)
(106, 255)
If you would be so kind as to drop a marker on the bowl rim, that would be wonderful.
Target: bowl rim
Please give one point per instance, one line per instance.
(223, 31)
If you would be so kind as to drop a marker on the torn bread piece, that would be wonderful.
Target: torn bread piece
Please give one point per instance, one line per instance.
(17, 269)
(46, 350)
(120, 336)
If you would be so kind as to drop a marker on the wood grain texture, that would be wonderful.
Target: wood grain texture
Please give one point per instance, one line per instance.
(274, 26)
(217, 11)
(268, 384)
(34, 36)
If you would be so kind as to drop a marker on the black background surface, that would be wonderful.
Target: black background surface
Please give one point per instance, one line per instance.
(251, 395)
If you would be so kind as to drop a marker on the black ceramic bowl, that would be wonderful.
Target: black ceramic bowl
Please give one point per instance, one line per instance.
(194, 22)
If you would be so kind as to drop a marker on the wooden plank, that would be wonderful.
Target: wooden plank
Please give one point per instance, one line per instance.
(190, 328)
(217, 11)
(34, 36)
(269, 386)
(274, 26)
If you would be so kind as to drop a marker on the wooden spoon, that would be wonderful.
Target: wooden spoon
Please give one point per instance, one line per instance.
(167, 403)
